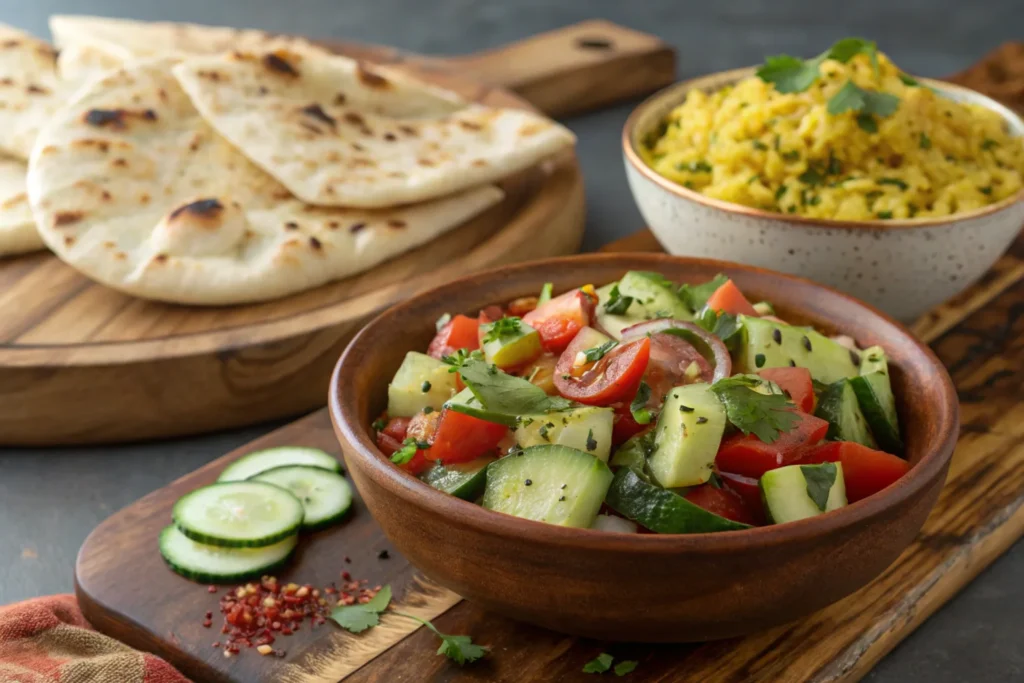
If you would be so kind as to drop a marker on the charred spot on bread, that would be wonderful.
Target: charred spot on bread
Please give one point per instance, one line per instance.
(62, 218)
(201, 208)
(316, 112)
(278, 64)
(371, 79)
(117, 118)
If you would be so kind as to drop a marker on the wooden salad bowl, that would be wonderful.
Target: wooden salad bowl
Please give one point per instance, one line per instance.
(650, 588)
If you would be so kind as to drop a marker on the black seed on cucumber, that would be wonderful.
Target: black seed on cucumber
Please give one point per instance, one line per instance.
(425, 387)
(759, 359)
(528, 482)
(806, 342)
(777, 335)
(701, 420)
(685, 409)
(855, 357)
(792, 363)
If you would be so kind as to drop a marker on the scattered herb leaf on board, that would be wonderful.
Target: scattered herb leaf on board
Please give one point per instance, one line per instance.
(357, 618)
(625, 667)
(599, 664)
(459, 649)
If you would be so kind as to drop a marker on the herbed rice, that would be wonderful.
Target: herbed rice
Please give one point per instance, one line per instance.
(752, 145)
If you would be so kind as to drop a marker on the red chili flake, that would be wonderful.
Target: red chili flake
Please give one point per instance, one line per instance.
(346, 576)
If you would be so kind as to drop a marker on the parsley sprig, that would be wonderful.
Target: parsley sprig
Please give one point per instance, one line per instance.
(617, 303)
(503, 329)
(460, 358)
(765, 416)
(408, 451)
(641, 415)
(791, 75)
(358, 618)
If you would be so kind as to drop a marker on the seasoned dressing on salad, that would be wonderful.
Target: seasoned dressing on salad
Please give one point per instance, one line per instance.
(644, 406)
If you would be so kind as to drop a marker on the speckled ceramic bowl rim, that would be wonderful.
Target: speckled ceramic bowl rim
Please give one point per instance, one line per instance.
(356, 436)
(679, 90)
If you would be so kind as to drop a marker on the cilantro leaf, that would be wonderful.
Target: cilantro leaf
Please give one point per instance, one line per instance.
(598, 352)
(820, 479)
(845, 49)
(626, 667)
(812, 176)
(723, 325)
(545, 293)
(357, 618)
(599, 664)
(765, 416)
(638, 407)
(867, 123)
(893, 181)
(354, 618)
(379, 424)
(617, 304)
(442, 321)
(908, 80)
(635, 451)
(506, 394)
(502, 329)
(789, 74)
(406, 453)
(924, 142)
(700, 166)
(459, 649)
(460, 357)
(852, 97)
(695, 296)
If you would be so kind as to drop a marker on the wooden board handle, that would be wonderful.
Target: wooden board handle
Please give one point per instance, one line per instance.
(575, 69)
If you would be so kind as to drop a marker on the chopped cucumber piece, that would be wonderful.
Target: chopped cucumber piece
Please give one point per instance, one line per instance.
(238, 514)
(508, 349)
(614, 323)
(552, 484)
(325, 496)
(689, 431)
(838, 405)
(614, 524)
(465, 402)
(250, 465)
(635, 451)
(661, 510)
(800, 491)
(768, 344)
(211, 564)
(463, 480)
(587, 429)
(656, 293)
(874, 393)
(421, 381)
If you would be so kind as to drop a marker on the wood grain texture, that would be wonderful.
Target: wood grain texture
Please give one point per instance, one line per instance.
(125, 592)
(80, 363)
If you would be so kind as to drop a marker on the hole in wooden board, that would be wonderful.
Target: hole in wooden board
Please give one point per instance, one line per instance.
(594, 43)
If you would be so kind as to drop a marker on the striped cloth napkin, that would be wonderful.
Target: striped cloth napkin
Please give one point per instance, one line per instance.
(47, 640)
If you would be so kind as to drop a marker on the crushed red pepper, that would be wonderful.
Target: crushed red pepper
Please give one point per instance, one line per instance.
(256, 614)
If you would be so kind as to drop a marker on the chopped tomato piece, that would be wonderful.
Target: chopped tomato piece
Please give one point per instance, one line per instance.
(391, 438)
(796, 382)
(747, 455)
(730, 299)
(624, 427)
(865, 470)
(559, 320)
(612, 379)
(521, 306)
(541, 372)
(458, 333)
(721, 502)
(397, 428)
(749, 490)
(461, 438)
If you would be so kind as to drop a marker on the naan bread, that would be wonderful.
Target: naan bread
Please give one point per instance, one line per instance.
(162, 38)
(131, 186)
(30, 89)
(18, 232)
(337, 133)
(79, 62)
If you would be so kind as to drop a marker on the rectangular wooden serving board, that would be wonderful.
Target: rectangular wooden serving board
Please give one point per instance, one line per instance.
(126, 592)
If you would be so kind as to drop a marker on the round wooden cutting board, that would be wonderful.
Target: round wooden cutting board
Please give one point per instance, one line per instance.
(81, 363)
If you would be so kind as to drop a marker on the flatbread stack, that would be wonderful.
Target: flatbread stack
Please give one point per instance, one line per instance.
(213, 166)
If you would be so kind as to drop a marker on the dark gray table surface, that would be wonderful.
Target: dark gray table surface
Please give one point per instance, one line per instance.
(51, 499)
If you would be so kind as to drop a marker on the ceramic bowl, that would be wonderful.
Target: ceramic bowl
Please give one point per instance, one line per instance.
(643, 587)
(904, 267)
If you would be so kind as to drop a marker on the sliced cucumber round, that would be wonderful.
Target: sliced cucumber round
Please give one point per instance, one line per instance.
(211, 564)
(325, 496)
(239, 514)
(249, 466)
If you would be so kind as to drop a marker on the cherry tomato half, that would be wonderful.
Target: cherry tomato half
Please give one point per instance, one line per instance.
(613, 378)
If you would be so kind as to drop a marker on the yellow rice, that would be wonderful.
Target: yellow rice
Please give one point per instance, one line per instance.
(749, 144)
